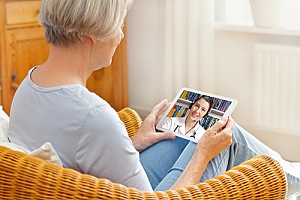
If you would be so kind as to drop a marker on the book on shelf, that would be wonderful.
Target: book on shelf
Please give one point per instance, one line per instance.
(178, 111)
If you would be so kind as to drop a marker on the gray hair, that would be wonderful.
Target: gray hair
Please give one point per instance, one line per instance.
(66, 21)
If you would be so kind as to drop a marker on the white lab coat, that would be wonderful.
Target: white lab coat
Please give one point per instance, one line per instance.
(177, 124)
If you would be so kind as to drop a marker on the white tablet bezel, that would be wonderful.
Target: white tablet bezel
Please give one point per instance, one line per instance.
(227, 113)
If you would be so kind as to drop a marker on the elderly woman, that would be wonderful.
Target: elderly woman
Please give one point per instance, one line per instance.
(52, 104)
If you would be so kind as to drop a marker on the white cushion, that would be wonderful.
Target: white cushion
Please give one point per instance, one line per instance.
(46, 152)
(4, 122)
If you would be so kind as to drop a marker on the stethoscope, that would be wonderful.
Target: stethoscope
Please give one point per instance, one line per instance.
(194, 131)
(194, 134)
(178, 126)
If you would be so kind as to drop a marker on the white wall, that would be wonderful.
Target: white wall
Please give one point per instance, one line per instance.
(234, 53)
(233, 66)
(144, 54)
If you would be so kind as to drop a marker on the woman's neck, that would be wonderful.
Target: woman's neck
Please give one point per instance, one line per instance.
(65, 65)
(189, 125)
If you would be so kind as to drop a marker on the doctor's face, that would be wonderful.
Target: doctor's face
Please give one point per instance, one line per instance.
(198, 110)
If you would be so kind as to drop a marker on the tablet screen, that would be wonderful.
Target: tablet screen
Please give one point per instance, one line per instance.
(192, 112)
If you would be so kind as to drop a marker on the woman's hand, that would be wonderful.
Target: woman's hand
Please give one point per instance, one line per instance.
(146, 135)
(215, 139)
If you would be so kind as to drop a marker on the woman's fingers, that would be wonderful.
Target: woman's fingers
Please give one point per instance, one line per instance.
(217, 127)
(216, 139)
(223, 123)
(158, 110)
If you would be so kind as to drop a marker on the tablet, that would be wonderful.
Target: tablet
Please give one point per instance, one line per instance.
(192, 112)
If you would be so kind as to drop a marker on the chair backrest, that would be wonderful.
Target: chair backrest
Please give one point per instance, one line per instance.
(26, 177)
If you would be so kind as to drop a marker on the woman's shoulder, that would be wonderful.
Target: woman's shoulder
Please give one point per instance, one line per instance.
(84, 95)
(178, 119)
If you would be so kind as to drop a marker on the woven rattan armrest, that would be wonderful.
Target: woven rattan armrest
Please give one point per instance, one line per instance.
(26, 177)
(131, 119)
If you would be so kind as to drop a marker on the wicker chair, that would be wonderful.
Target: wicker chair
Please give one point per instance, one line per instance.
(26, 177)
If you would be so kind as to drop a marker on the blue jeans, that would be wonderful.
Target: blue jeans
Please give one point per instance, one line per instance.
(165, 161)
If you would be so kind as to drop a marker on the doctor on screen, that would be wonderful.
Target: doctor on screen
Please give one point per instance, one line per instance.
(189, 125)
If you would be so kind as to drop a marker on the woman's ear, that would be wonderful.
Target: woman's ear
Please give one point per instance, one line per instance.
(92, 38)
